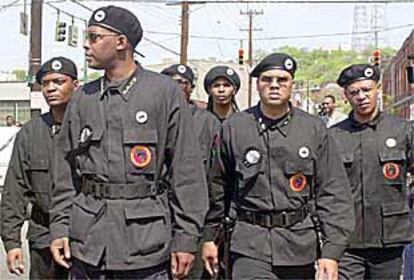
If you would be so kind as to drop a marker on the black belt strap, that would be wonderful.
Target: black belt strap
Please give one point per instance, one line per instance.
(39, 217)
(102, 190)
(282, 219)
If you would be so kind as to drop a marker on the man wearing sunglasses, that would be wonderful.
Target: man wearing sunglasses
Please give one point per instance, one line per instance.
(29, 178)
(129, 166)
(376, 150)
(283, 179)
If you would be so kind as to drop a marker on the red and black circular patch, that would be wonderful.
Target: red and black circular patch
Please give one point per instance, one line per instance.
(140, 156)
(391, 170)
(297, 182)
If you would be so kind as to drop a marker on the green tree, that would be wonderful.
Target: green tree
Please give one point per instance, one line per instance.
(320, 67)
(21, 75)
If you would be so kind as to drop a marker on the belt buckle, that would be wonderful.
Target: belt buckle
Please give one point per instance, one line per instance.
(97, 191)
(285, 219)
(268, 220)
(252, 217)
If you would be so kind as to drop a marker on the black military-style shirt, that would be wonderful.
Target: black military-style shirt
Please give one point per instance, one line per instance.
(29, 179)
(206, 127)
(138, 131)
(377, 156)
(283, 167)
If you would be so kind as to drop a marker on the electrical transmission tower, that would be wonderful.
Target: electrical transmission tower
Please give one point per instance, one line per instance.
(378, 23)
(360, 39)
(369, 21)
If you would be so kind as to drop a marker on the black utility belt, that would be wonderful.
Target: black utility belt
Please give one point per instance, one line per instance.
(102, 190)
(282, 219)
(39, 217)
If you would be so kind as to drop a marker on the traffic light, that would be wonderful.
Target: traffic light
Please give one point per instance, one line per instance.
(241, 56)
(73, 36)
(376, 57)
(60, 34)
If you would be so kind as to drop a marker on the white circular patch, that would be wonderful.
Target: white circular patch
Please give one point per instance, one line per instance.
(368, 72)
(288, 64)
(304, 152)
(181, 69)
(230, 72)
(99, 16)
(141, 117)
(253, 156)
(390, 142)
(85, 134)
(56, 65)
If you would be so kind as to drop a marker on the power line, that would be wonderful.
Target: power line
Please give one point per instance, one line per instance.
(12, 4)
(17, 4)
(65, 12)
(161, 46)
(82, 5)
(334, 34)
(282, 37)
(178, 2)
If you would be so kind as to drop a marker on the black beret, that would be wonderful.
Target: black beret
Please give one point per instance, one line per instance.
(60, 65)
(179, 69)
(358, 72)
(275, 61)
(222, 71)
(118, 20)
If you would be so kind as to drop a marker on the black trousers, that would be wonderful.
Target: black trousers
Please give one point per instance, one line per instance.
(81, 270)
(42, 265)
(245, 268)
(359, 264)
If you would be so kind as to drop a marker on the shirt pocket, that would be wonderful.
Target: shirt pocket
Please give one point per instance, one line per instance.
(85, 213)
(300, 175)
(247, 178)
(140, 148)
(40, 181)
(148, 227)
(86, 151)
(396, 226)
(393, 167)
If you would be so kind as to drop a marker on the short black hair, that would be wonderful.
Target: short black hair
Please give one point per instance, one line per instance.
(331, 97)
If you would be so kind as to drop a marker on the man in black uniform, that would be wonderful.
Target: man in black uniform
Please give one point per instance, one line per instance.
(128, 140)
(30, 176)
(376, 151)
(206, 125)
(281, 169)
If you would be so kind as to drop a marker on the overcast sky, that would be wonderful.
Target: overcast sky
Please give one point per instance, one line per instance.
(206, 20)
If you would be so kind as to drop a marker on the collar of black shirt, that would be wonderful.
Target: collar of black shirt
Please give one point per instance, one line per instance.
(282, 124)
(372, 123)
(122, 87)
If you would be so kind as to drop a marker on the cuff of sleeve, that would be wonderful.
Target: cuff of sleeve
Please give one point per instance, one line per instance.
(184, 243)
(10, 245)
(332, 251)
(58, 231)
(208, 234)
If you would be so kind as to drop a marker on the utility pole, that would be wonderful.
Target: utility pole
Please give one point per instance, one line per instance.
(185, 7)
(35, 53)
(250, 14)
